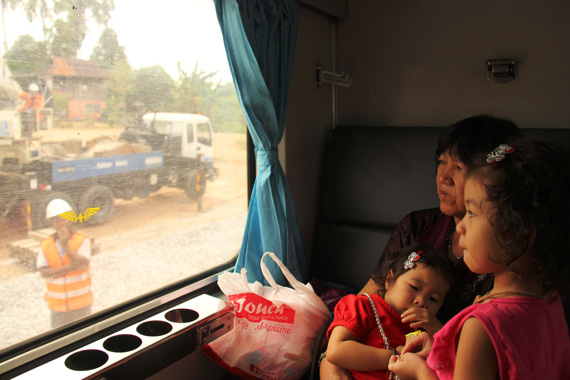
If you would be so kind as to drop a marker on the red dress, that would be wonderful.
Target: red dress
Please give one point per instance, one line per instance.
(356, 314)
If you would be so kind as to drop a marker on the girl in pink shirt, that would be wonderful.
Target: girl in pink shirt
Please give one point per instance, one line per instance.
(516, 227)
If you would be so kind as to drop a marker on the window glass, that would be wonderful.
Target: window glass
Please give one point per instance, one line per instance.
(94, 102)
(204, 134)
(190, 132)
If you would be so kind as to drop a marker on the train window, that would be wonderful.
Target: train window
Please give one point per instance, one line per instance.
(90, 100)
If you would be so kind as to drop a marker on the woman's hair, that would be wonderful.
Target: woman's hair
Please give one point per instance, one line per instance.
(429, 257)
(529, 195)
(464, 139)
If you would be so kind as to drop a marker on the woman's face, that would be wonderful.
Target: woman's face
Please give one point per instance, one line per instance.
(450, 180)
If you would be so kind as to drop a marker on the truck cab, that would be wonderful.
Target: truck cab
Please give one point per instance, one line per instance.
(194, 131)
(183, 134)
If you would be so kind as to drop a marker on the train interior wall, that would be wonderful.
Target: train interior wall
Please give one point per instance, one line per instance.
(422, 63)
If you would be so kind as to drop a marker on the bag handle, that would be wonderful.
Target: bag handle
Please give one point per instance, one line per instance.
(296, 284)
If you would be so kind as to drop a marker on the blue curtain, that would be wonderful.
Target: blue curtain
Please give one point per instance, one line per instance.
(260, 38)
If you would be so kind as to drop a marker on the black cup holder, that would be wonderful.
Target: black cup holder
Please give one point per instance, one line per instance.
(86, 360)
(181, 315)
(154, 328)
(122, 343)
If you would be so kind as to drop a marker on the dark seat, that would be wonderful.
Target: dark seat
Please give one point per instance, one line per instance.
(371, 178)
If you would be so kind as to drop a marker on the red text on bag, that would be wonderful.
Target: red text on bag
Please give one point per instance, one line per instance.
(256, 308)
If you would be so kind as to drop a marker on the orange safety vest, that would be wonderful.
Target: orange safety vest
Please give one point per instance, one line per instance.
(37, 102)
(72, 291)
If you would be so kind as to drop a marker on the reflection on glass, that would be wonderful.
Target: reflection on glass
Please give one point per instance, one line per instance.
(139, 131)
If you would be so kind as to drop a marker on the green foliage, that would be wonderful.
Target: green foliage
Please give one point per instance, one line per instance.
(152, 88)
(27, 56)
(108, 52)
(64, 22)
(65, 42)
(130, 93)
(60, 101)
(227, 115)
(197, 93)
(194, 93)
(118, 88)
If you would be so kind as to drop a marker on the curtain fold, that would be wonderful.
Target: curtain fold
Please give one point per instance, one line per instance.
(260, 38)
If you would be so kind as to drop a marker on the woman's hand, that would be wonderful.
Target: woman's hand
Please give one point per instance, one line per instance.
(420, 318)
(420, 345)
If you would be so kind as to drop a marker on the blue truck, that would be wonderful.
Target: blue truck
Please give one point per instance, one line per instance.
(181, 156)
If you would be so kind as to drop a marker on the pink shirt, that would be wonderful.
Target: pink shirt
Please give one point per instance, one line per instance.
(530, 336)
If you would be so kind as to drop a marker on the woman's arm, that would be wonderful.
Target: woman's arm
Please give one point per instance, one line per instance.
(476, 355)
(344, 351)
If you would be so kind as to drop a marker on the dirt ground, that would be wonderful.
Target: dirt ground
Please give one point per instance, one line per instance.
(168, 208)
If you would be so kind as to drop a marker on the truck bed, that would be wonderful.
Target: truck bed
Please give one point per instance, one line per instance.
(75, 169)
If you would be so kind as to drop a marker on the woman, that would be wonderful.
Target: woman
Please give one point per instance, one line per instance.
(457, 145)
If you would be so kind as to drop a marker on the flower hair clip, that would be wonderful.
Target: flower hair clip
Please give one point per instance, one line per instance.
(499, 153)
(411, 260)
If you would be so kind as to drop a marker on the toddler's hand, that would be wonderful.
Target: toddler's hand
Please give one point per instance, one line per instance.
(420, 318)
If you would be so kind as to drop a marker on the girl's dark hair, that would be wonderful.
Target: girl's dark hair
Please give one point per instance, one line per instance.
(529, 195)
(464, 139)
(430, 257)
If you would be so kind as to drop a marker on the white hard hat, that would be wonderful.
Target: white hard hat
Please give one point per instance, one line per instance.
(57, 207)
(34, 87)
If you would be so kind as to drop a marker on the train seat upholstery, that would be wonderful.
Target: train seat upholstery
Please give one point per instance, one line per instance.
(371, 178)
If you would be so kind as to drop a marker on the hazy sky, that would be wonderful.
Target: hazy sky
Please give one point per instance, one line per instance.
(153, 33)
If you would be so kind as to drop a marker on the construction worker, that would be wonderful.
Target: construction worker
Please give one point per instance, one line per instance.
(33, 101)
(64, 262)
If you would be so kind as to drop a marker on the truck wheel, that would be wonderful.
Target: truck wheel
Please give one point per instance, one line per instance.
(191, 188)
(39, 220)
(97, 196)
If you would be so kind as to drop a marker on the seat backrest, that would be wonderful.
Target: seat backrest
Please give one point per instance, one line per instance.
(371, 178)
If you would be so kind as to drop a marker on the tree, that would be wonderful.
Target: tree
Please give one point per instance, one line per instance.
(227, 115)
(153, 88)
(65, 23)
(108, 52)
(5, 4)
(195, 93)
(76, 12)
(27, 56)
(64, 42)
(111, 57)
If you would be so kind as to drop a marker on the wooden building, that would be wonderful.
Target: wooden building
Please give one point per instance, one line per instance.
(81, 84)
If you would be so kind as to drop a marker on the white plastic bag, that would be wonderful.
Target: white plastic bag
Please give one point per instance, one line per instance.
(275, 327)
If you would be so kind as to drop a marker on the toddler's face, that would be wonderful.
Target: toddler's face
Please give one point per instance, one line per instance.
(420, 286)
